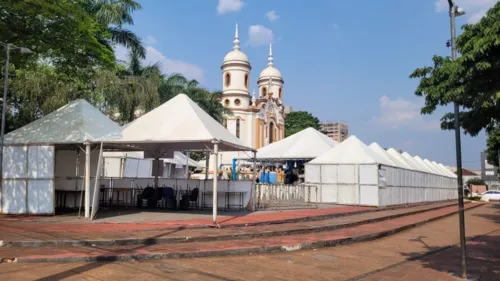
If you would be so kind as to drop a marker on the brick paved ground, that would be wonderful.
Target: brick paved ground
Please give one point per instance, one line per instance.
(339, 263)
(214, 247)
(34, 232)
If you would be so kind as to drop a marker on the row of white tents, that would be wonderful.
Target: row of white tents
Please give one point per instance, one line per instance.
(353, 173)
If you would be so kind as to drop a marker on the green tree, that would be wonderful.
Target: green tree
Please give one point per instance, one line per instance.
(472, 81)
(114, 14)
(60, 32)
(136, 88)
(299, 120)
(475, 181)
(175, 84)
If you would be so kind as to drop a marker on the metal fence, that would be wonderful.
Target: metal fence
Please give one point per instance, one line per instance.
(281, 196)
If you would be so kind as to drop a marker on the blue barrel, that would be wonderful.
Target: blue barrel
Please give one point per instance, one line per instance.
(262, 177)
(272, 178)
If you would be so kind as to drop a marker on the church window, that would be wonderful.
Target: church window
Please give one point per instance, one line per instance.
(271, 129)
(246, 80)
(238, 127)
(279, 93)
(237, 102)
(224, 123)
(227, 79)
(226, 102)
(264, 92)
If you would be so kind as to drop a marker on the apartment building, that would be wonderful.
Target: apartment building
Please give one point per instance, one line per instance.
(337, 130)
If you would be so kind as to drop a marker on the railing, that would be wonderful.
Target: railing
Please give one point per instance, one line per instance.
(281, 196)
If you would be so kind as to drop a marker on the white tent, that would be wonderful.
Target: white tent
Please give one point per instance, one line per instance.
(306, 144)
(31, 166)
(382, 153)
(353, 173)
(399, 160)
(177, 125)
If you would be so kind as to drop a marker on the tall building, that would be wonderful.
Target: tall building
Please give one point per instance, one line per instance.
(338, 131)
(259, 119)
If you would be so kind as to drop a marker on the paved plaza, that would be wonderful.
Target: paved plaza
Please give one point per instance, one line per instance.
(397, 257)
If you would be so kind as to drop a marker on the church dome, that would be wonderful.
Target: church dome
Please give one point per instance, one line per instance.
(270, 70)
(236, 55)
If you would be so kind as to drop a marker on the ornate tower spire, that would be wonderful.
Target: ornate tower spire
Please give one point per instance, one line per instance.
(253, 97)
(270, 59)
(236, 41)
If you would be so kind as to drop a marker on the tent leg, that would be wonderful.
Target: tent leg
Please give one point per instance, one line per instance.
(87, 180)
(214, 192)
(207, 164)
(97, 186)
(253, 190)
(157, 162)
(187, 164)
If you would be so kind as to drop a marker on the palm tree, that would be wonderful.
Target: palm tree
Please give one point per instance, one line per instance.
(138, 89)
(114, 14)
(175, 84)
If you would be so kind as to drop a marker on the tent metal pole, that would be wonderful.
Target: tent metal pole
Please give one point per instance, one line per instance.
(87, 180)
(253, 191)
(214, 192)
(95, 198)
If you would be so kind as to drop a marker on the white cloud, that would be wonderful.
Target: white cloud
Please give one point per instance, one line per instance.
(272, 16)
(400, 113)
(150, 40)
(168, 66)
(474, 9)
(229, 6)
(259, 35)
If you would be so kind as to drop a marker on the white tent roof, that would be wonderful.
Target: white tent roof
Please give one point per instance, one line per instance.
(423, 165)
(178, 124)
(453, 175)
(350, 151)
(436, 170)
(76, 122)
(397, 158)
(382, 153)
(306, 144)
(414, 163)
(444, 171)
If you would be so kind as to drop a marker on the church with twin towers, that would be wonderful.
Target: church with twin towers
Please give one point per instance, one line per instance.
(258, 118)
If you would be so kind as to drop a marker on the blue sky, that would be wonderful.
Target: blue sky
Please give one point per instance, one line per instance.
(341, 60)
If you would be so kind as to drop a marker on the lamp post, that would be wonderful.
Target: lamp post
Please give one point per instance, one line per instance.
(8, 47)
(455, 11)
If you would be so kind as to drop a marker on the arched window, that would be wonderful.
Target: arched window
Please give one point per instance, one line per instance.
(224, 123)
(238, 127)
(279, 93)
(271, 130)
(227, 79)
(264, 92)
(246, 80)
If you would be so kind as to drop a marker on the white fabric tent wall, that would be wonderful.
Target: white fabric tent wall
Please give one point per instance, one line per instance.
(353, 173)
(28, 180)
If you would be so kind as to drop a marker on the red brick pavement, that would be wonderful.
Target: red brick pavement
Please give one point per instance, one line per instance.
(31, 224)
(292, 242)
(41, 233)
(333, 264)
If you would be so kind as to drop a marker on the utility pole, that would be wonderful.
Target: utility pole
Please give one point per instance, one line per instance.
(454, 12)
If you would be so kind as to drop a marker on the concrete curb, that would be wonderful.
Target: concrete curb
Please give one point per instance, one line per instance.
(243, 251)
(186, 239)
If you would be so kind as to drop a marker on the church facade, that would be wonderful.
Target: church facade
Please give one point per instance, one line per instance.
(257, 119)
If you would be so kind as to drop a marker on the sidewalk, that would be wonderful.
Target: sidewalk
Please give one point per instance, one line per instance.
(342, 263)
(364, 232)
(38, 235)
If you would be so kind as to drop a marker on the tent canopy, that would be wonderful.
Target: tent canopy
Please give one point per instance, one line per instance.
(178, 124)
(382, 153)
(399, 160)
(351, 151)
(306, 144)
(76, 122)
